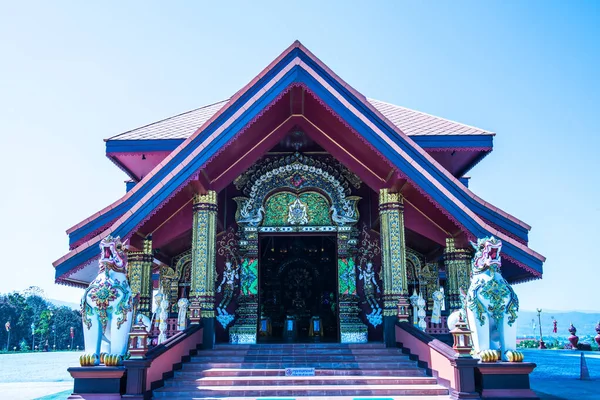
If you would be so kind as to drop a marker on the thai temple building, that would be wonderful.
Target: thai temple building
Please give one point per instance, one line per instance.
(299, 214)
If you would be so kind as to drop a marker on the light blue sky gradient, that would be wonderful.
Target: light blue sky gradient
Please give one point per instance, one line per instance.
(73, 73)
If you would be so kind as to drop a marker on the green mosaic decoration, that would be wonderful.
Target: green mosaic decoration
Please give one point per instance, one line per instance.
(458, 272)
(286, 208)
(346, 276)
(249, 276)
(297, 174)
(393, 252)
(392, 241)
(103, 295)
(203, 274)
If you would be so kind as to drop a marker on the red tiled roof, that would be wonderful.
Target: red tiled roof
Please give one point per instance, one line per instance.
(418, 123)
(411, 122)
(177, 127)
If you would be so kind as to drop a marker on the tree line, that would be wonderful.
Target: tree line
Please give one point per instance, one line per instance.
(51, 324)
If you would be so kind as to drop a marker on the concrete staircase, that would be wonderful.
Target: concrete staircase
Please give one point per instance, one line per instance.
(341, 372)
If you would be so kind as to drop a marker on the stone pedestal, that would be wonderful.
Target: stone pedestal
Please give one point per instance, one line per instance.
(465, 378)
(136, 379)
(106, 383)
(501, 380)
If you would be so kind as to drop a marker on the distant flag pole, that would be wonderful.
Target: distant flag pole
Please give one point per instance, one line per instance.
(7, 326)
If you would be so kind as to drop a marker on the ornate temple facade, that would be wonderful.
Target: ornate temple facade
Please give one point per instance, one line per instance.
(300, 210)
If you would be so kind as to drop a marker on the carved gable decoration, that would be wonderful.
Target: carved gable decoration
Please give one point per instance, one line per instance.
(297, 191)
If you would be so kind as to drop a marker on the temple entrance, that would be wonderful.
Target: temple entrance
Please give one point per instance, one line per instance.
(298, 289)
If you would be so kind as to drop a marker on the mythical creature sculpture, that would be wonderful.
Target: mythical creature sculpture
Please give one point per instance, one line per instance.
(341, 219)
(491, 304)
(106, 306)
(252, 220)
(370, 287)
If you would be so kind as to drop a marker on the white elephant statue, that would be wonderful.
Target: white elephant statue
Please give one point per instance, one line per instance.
(491, 305)
(106, 306)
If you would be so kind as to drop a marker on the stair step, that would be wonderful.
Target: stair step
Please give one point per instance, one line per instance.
(297, 380)
(364, 397)
(196, 366)
(230, 352)
(303, 358)
(214, 372)
(302, 345)
(300, 390)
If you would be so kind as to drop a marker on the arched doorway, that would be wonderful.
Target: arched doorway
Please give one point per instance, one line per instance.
(298, 280)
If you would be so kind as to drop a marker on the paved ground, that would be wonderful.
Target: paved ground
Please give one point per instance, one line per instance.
(44, 375)
(557, 374)
(33, 375)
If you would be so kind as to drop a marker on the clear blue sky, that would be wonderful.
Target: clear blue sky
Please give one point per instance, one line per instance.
(72, 74)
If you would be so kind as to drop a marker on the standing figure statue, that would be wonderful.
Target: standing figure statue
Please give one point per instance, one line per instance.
(106, 306)
(370, 287)
(227, 286)
(182, 307)
(491, 303)
(413, 302)
(438, 299)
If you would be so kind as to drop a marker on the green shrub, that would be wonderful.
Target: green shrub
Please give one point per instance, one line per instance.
(528, 344)
(23, 346)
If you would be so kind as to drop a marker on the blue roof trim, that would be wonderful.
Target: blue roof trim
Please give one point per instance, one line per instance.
(140, 146)
(452, 141)
(298, 75)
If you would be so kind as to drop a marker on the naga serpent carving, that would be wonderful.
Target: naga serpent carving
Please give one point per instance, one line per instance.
(491, 305)
(106, 306)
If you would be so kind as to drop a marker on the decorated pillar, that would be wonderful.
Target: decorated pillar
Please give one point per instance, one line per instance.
(458, 269)
(202, 288)
(140, 277)
(352, 330)
(393, 258)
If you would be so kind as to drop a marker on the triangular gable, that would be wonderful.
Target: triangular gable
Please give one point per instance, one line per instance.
(295, 66)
